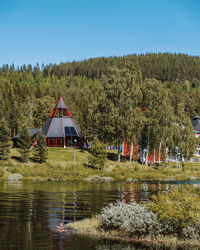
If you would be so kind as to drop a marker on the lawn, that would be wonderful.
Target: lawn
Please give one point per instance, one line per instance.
(60, 165)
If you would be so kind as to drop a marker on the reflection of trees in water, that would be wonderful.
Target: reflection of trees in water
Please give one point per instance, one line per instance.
(129, 193)
(133, 191)
(29, 216)
(23, 219)
(80, 204)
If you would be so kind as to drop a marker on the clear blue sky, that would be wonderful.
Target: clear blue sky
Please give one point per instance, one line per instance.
(51, 31)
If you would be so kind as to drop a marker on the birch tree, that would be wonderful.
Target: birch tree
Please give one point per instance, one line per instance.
(158, 115)
(118, 105)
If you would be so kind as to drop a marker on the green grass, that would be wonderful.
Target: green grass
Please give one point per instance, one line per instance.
(92, 227)
(67, 155)
(60, 166)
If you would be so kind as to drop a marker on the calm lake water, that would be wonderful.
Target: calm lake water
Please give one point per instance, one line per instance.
(31, 211)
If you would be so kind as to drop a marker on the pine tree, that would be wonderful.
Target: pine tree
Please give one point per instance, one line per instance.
(14, 113)
(24, 144)
(98, 154)
(4, 140)
(40, 151)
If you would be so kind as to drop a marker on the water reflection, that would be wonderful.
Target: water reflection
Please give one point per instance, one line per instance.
(31, 211)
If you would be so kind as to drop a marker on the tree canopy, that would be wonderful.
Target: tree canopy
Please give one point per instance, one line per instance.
(144, 98)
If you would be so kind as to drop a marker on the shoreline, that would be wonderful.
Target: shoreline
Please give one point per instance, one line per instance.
(35, 179)
(79, 172)
(91, 228)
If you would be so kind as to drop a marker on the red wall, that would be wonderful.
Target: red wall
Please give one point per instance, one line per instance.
(127, 148)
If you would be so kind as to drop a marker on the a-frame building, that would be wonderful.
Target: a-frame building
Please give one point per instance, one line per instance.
(60, 129)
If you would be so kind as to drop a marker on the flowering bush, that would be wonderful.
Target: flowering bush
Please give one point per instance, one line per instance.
(133, 218)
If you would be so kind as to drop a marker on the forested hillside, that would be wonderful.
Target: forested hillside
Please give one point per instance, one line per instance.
(163, 67)
(106, 96)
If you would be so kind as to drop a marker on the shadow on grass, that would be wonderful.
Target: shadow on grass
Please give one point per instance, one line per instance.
(90, 166)
(82, 150)
(32, 160)
(113, 157)
(16, 158)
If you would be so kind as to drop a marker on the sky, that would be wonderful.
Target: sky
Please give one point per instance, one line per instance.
(54, 31)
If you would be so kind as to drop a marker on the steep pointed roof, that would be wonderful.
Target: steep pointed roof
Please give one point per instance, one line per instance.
(65, 125)
(61, 127)
(61, 104)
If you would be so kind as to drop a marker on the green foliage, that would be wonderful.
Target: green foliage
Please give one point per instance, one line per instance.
(163, 153)
(182, 136)
(105, 96)
(157, 116)
(174, 214)
(115, 115)
(98, 154)
(41, 111)
(4, 140)
(178, 208)
(162, 66)
(24, 144)
(40, 151)
(1, 172)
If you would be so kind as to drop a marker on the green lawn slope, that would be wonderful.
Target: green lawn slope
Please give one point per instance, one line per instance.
(60, 166)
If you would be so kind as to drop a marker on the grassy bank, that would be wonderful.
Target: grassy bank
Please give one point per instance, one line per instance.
(91, 227)
(60, 166)
(170, 218)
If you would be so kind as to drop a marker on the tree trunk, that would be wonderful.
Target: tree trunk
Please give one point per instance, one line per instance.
(159, 152)
(182, 162)
(131, 153)
(119, 153)
(147, 155)
(154, 156)
(142, 158)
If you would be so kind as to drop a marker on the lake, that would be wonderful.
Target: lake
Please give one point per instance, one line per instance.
(31, 211)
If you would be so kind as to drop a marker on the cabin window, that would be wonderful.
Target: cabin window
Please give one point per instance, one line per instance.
(51, 142)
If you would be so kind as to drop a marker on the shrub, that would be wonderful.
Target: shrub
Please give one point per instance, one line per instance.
(176, 213)
(177, 209)
(24, 144)
(133, 218)
(40, 151)
(192, 231)
(98, 154)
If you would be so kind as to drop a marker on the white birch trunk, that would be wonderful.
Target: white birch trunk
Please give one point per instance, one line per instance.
(159, 152)
(119, 153)
(147, 155)
(182, 162)
(142, 156)
(131, 153)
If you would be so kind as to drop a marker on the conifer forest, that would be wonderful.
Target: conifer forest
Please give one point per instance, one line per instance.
(148, 98)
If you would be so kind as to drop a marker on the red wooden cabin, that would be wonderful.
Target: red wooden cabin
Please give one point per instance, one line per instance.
(61, 129)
